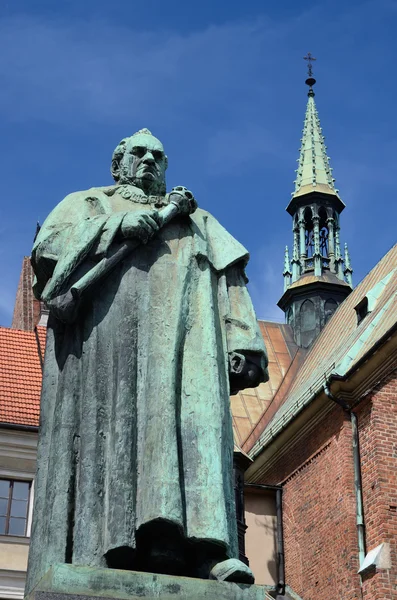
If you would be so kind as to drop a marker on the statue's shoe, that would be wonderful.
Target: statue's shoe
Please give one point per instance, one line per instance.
(232, 570)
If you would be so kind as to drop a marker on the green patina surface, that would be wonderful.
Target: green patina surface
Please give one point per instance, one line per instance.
(313, 168)
(136, 447)
(128, 585)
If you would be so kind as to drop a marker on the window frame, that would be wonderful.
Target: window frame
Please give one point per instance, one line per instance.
(11, 481)
(362, 310)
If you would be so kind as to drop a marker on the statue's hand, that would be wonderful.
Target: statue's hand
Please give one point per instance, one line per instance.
(244, 371)
(184, 198)
(140, 225)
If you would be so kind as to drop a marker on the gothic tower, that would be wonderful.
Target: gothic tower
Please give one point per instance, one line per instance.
(318, 278)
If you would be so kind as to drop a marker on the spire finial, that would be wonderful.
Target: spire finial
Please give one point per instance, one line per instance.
(286, 261)
(348, 267)
(347, 258)
(287, 271)
(310, 81)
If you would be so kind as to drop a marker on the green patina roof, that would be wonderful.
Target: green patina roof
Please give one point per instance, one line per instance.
(314, 172)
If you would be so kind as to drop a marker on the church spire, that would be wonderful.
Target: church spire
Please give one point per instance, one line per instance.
(320, 278)
(314, 171)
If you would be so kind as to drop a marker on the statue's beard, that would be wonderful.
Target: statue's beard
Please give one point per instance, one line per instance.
(155, 187)
(150, 185)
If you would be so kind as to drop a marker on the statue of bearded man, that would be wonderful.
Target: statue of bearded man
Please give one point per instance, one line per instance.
(150, 327)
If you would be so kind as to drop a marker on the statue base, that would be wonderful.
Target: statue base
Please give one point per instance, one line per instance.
(68, 582)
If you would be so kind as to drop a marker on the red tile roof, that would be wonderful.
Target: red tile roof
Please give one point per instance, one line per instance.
(249, 405)
(20, 375)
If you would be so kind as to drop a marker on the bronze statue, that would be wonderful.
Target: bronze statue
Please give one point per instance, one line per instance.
(150, 324)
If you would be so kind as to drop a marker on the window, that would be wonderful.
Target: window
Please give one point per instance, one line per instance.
(330, 307)
(308, 323)
(309, 239)
(323, 225)
(362, 310)
(14, 503)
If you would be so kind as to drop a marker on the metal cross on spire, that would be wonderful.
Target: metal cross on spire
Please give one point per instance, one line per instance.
(310, 81)
(309, 59)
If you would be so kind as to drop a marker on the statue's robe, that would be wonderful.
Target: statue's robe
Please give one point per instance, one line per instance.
(135, 421)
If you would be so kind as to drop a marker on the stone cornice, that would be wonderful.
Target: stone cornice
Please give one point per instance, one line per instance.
(12, 584)
(18, 444)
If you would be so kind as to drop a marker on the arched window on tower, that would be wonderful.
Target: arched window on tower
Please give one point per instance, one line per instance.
(309, 241)
(307, 323)
(323, 232)
(330, 307)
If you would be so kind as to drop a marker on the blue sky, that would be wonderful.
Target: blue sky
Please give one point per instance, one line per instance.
(221, 83)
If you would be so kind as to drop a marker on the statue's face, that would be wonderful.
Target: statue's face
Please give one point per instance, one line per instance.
(143, 163)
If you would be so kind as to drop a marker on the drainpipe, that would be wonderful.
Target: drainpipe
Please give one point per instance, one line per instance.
(359, 489)
(280, 543)
(280, 589)
(17, 427)
(357, 472)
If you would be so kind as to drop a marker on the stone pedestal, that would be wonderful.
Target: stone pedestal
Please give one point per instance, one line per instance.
(67, 582)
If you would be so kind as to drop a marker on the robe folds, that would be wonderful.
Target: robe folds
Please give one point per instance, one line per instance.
(135, 421)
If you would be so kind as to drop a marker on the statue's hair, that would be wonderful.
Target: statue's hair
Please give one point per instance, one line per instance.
(116, 158)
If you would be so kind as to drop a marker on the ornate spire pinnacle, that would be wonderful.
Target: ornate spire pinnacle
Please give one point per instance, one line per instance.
(314, 172)
(348, 267)
(287, 271)
(296, 270)
(347, 257)
(286, 260)
(295, 253)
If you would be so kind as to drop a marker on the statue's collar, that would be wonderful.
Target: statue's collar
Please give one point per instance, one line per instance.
(135, 194)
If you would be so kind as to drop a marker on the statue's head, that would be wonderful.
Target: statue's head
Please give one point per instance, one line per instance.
(140, 160)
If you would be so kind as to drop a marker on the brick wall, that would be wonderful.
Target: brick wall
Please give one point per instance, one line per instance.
(321, 552)
(321, 548)
(27, 308)
(377, 418)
